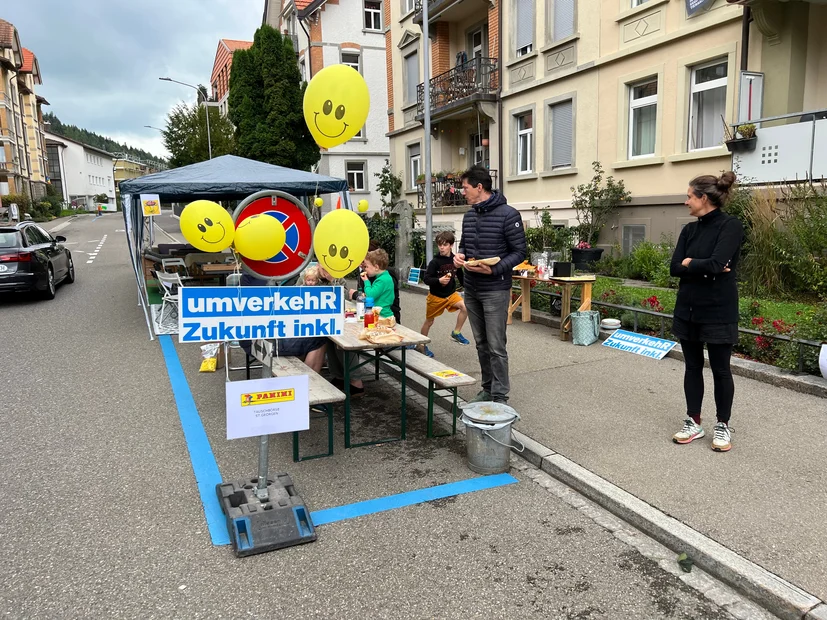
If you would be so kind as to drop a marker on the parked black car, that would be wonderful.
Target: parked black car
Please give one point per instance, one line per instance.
(32, 260)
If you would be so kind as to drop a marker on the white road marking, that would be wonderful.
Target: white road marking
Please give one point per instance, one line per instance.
(93, 255)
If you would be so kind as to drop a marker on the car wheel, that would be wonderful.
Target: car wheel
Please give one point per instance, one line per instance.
(70, 274)
(49, 293)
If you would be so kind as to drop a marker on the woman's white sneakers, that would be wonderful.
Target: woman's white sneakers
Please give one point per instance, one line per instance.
(721, 438)
(689, 433)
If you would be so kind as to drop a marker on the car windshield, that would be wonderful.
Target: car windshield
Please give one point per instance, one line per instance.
(8, 239)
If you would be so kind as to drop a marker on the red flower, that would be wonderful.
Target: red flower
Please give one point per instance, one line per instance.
(758, 320)
(763, 343)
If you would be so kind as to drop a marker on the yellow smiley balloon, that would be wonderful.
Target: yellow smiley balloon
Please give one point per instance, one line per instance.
(259, 237)
(340, 242)
(362, 205)
(207, 226)
(336, 105)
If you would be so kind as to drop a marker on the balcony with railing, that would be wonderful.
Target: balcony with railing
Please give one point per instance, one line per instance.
(294, 39)
(450, 10)
(447, 192)
(7, 135)
(8, 167)
(795, 151)
(457, 88)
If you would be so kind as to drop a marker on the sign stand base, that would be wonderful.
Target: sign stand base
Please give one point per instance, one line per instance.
(280, 519)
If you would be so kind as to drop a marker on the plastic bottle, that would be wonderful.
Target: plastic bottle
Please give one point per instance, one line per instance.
(368, 311)
(360, 306)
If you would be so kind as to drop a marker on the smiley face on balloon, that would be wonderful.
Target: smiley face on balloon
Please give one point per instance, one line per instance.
(336, 105)
(340, 242)
(207, 226)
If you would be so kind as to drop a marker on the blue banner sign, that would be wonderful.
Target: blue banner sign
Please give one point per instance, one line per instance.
(218, 313)
(648, 346)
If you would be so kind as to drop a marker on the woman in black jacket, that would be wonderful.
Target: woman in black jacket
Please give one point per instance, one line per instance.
(706, 311)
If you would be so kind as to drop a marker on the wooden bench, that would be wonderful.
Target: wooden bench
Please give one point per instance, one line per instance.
(322, 394)
(441, 378)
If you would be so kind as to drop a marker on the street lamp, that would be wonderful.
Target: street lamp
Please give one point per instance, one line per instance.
(206, 108)
(155, 128)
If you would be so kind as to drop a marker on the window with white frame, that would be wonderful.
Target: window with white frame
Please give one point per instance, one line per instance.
(561, 120)
(524, 32)
(643, 116)
(563, 16)
(408, 6)
(632, 235)
(414, 163)
(411, 77)
(351, 59)
(373, 15)
(525, 142)
(638, 2)
(355, 171)
(708, 85)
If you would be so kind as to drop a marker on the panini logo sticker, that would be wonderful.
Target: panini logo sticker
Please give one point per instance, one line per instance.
(264, 398)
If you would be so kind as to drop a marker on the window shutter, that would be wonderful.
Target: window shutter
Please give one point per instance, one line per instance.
(525, 23)
(563, 19)
(412, 76)
(562, 133)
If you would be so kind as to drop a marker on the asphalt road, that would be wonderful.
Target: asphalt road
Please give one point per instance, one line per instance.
(102, 517)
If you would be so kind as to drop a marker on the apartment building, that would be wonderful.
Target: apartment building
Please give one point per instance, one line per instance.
(351, 32)
(28, 79)
(465, 108)
(785, 75)
(85, 171)
(645, 87)
(220, 78)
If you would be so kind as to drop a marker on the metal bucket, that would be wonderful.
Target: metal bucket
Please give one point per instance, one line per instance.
(488, 436)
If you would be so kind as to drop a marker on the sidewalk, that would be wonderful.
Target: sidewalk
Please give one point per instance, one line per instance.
(614, 414)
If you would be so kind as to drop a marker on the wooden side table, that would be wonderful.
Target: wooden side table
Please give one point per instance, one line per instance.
(568, 284)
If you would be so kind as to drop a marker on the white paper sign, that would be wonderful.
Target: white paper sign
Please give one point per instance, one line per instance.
(267, 406)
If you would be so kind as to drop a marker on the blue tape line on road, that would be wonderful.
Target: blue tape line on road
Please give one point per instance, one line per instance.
(203, 462)
(350, 511)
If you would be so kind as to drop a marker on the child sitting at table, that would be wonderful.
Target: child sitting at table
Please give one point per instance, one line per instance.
(311, 276)
(381, 289)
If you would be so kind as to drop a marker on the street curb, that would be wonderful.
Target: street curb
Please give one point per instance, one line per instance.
(773, 593)
(806, 384)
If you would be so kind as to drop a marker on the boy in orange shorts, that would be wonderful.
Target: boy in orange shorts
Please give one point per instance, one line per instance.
(441, 278)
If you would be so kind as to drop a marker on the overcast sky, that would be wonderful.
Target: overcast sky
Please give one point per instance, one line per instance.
(100, 60)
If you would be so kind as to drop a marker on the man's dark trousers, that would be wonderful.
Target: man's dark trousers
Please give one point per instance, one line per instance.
(488, 314)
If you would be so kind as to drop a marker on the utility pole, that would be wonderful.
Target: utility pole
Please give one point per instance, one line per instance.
(426, 74)
(206, 108)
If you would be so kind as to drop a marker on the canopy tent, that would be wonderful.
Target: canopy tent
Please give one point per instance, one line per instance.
(230, 178)
(224, 178)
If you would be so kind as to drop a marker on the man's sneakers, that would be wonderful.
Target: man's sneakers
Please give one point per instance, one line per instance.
(428, 352)
(482, 397)
(689, 433)
(458, 337)
(722, 438)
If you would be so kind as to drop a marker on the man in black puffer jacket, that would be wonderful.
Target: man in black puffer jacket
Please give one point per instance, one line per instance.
(491, 228)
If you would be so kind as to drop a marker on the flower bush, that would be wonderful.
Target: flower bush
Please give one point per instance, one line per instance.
(583, 245)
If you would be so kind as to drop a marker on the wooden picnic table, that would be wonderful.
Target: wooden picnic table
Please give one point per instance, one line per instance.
(351, 346)
(567, 284)
(222, 270)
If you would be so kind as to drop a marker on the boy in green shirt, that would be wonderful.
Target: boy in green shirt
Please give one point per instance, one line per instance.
(381, 289)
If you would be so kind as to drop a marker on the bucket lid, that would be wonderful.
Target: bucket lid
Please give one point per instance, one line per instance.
(487, 412)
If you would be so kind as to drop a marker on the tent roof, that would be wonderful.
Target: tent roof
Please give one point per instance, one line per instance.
(229, 177)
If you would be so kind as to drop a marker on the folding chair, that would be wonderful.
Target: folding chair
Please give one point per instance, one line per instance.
(177, 263)
(230, 346)
(170, 285)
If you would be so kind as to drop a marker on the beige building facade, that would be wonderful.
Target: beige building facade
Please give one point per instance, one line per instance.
(23, 166)
(464, 87)
(642, 87)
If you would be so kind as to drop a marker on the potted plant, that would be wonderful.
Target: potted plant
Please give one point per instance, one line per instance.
(744, 139)
(595, 203)
(420, 179)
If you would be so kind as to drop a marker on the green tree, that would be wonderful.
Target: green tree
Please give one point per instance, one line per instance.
(185, 135)
(265, 101)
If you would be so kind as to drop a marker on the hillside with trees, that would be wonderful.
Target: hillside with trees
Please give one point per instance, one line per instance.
(93, 139)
